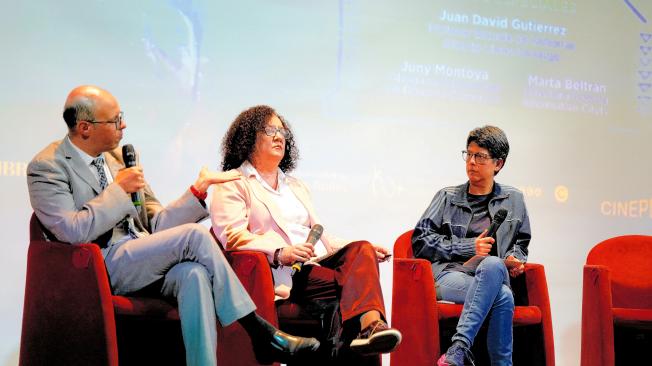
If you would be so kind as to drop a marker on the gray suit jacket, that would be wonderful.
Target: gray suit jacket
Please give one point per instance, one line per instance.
(67, 198)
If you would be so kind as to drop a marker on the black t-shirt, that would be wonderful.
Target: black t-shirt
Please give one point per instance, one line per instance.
(480, 221)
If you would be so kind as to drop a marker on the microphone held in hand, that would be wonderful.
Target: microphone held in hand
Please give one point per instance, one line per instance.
(129, 157)
(499, 217)
(313, 236)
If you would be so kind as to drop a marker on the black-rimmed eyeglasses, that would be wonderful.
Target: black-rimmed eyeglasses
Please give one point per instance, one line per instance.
(116, 121)
(271, 131)
(480, 158)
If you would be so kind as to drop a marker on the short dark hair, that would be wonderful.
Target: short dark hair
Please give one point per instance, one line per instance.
(491, 138)
(240, 139)
(80, 109)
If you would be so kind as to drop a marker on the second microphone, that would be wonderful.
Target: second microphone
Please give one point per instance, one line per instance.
(313, 236)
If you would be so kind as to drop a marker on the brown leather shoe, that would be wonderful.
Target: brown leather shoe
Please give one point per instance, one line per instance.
(376, 338)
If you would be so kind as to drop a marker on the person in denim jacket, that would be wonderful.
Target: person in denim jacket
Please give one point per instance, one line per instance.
(454, 229)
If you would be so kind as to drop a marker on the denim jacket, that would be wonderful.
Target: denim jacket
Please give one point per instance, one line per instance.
(440, 234)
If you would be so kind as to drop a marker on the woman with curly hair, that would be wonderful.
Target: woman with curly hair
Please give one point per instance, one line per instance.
(268, 210)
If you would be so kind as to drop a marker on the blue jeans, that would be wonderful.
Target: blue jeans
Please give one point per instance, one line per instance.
(485, 294)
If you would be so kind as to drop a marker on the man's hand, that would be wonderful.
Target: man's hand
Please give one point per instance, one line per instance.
(382, 253)
(207, 178)
(296, 253)
(131, 179)
(516, 269)
(483, 244)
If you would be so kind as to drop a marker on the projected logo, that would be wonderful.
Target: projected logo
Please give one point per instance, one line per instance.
(531, 191)
(561, 194)
(644, 82)
(327, 181)
(380, 184)
(385, 186)
(13, 168)
(637, 208)
(186, 66)
(644, 96)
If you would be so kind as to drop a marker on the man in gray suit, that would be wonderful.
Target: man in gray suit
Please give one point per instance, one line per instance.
(81, 192)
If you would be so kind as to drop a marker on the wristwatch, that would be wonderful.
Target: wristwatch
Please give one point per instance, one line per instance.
(276, 262)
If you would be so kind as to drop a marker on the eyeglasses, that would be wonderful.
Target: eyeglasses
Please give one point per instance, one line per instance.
(116, 121)
(480, 158)
(271, 131)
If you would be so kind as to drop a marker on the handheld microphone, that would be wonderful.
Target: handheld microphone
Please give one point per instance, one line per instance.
(129, 157)
(499, 217)
(313, 236)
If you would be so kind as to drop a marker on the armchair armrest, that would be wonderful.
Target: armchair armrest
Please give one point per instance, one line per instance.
(537, 295)
(414, 301)
(597, 317)
(254, 272)
(68, 305)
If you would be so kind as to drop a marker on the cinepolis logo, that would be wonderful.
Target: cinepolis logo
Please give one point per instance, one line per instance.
(632, 208)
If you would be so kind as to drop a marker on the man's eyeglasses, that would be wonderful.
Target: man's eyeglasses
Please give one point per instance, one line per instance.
(116, 121)
(480, 158)
(271, 131)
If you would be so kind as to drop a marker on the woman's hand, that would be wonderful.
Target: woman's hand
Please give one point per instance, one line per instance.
(382, 253)
(516, 268)
(483, 244)
(207, 178)
(296, 253)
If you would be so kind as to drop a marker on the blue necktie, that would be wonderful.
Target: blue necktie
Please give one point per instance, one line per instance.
(98, 163)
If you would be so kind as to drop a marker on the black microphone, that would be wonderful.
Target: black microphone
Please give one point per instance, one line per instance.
(499, 217)
(313, 236)
(129, 157)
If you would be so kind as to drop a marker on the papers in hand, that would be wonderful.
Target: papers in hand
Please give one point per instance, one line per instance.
(314, 261)
(474, 262)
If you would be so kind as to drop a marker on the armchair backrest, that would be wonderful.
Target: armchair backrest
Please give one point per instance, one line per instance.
(66, 292)
(403, 245)
(628, 260)
(36, 230)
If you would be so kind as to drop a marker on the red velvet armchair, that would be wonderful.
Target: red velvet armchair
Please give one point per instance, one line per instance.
(234, 346)
(70, 316)
(428, 325)
(617, 302)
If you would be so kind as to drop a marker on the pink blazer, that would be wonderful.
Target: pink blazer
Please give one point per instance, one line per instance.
(245, 218)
